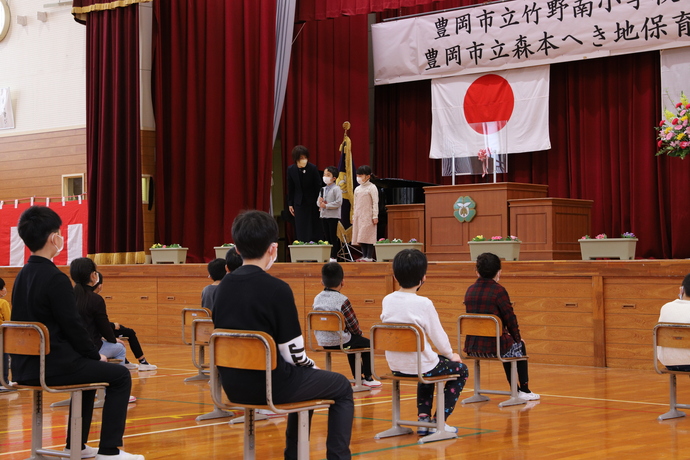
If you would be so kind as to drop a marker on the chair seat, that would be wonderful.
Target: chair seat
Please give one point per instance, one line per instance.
(348, 351)
(438, 378)
(496, 358)
(287, 407)
(666, 370)
(62, 388)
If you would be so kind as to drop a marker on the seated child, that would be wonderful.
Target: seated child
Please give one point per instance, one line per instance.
(330, 299)
(405, 306)
(216, 271)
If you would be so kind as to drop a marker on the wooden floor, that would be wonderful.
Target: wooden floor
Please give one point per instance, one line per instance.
(585, 412)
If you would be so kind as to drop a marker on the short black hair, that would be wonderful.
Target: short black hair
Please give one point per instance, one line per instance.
(488, 265)
(2, 284)
(364, 170)
(333, 170)
(80, 270)
(686, 284)
(409, 267)
(253, 233)
(233, 260)
(35, 226)
(332, 274)
(298, 151)
(216, 268)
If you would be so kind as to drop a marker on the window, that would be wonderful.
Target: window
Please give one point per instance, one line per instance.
(73, 185)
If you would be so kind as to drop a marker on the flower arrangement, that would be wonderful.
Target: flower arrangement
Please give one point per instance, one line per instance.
(673, 131)
(395, 240)
(496, 238)
(628, 235)
(305, 243)
(228, 245)
(604, 236)
(163, 246)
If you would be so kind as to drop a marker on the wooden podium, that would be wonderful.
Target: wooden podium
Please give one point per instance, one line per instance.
(446, 237)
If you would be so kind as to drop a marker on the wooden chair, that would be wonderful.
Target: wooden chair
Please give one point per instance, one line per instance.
(409, 338)
(671, 335)
(485, 325)
(334, 321)
(201, 328)
(256, 350)
(30, 338)
(189, 315)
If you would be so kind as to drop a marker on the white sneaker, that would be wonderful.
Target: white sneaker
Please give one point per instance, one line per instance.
(371, 383)
(132, 399)
(147, 367)
(528, 396)
(448, 429)
(130, 366)
(121, 456)
(333, 260)
(86, 452)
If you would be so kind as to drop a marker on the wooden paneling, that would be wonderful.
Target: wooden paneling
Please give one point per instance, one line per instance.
(406, 221)
(33, 164)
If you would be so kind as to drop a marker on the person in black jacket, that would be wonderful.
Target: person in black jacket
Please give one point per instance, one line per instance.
(304, 184)
(44, 294)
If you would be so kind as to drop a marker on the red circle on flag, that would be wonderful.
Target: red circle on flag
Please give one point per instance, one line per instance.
(489, 98)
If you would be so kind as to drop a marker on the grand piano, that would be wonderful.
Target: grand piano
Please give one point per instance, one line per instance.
(401, 208)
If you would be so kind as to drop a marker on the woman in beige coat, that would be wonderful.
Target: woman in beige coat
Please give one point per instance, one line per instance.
(366, 213)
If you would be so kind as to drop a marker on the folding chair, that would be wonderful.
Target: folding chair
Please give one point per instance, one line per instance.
(671, 335)
(256, 350)
(33, 339)
(190, 316)
(485, 325)
(409, 338)
(334, 321)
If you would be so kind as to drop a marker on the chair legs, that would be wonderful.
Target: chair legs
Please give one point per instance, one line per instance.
(250, 434)
(673, 405)
(217, 412)
(477, 397)
(358, 375)
(396, 429)
(441, 434)
(514, 399)
(479, 393)
(37, 450)
(202, 374)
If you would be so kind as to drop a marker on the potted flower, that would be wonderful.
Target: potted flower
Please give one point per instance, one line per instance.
(170, 254)
(311, 251)
(601, 246)
(387, 249)
(673, 137)
(222, 250)
(507, 248)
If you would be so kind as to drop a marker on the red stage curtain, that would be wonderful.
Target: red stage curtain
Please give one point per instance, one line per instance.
(113, 156)
(327, 85)
(214, 65)
(82, 8)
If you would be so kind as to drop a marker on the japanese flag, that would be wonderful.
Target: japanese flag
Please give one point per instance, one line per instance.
(504, 112)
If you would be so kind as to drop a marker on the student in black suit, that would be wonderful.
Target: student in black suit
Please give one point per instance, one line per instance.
(44, 294)
(304, 184)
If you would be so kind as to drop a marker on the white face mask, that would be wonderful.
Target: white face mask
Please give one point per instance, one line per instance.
(273, 259)
(327, 180)
(360, 181)
(62, 245)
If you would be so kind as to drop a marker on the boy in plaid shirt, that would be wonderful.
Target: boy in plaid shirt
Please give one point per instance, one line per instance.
(489, 297)
(330, 299)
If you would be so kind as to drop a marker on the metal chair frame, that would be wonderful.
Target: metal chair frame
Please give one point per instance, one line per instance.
(671, 335)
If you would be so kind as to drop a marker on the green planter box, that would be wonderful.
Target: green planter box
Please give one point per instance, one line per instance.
(609, 248)
(310, 252)
(168, 255)
(507, 250)
(385, 252)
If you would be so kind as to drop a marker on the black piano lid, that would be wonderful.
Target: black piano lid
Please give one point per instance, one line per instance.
(401, 191)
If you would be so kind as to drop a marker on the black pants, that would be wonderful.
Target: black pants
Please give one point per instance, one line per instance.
(358, 341)
(116, 400)
(523, 375)
(330, 231)
(133, 340)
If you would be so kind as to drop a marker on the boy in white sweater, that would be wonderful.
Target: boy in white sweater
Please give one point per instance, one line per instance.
(405, 306)
(330, 299)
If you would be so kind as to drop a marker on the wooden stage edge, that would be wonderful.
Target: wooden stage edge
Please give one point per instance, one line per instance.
(584, 313)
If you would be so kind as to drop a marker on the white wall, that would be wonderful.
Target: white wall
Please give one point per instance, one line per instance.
(44, 65)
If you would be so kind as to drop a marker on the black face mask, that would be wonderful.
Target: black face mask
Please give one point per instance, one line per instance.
(420, 285)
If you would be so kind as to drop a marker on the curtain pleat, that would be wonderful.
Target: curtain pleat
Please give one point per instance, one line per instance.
(214, 66)
(113, 157)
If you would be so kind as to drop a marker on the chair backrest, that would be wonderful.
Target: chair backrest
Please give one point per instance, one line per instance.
(188, 317)
(670, 335)
(202, 328)
(25, 338)
(330, 321)
(401, 337)
(479, 324)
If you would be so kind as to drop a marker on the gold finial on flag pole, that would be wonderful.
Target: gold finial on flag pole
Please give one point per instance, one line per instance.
(346, 127)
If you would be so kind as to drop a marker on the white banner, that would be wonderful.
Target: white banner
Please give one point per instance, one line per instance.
(6, 114)
(501, 112)
(675, 77)
(524, 33)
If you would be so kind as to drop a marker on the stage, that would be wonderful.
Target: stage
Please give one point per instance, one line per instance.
(588, 313)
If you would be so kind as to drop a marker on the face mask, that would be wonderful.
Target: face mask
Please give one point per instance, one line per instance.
(682, 291)
(302, 163)
(273, 259)
(360, 181)
(327, 180)
(59, 249)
